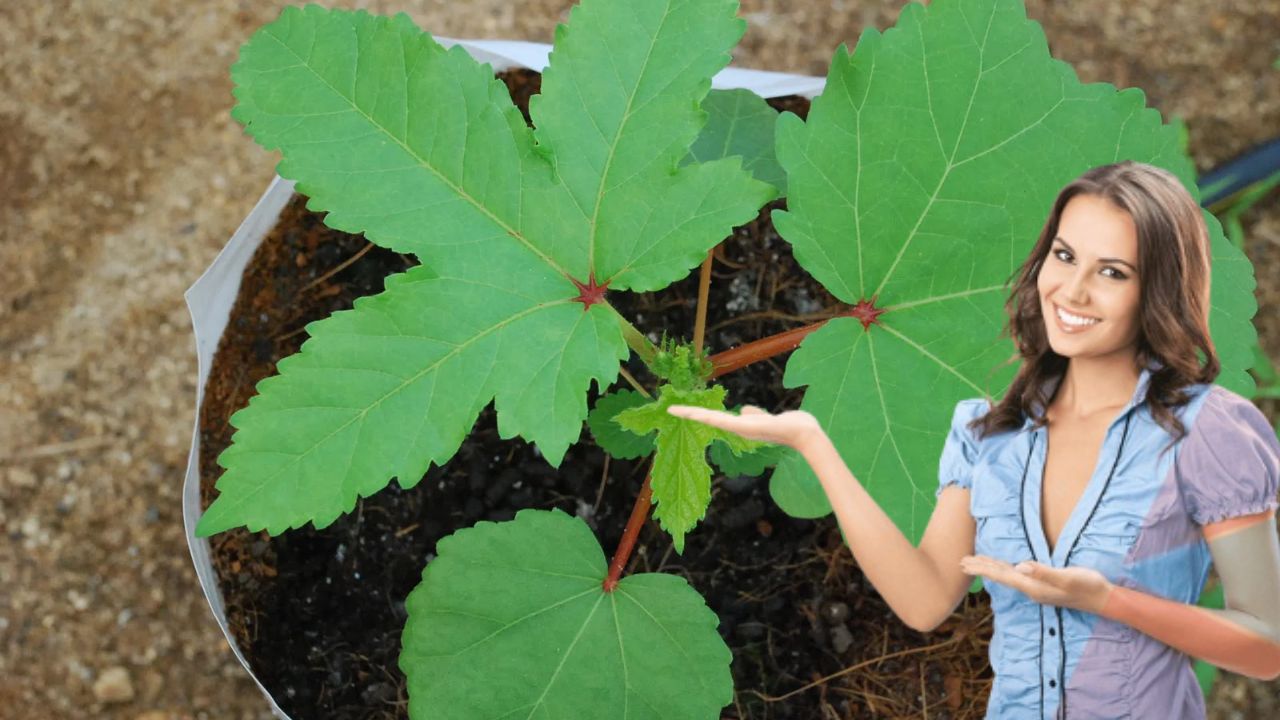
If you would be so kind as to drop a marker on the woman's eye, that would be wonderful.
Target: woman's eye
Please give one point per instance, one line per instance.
(1116, 274)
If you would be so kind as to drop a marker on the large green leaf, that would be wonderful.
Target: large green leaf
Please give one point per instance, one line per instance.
(475, 647)
(421, 150)
(920, 181)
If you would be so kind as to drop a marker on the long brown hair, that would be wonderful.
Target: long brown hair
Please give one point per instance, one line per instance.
(1174, 266)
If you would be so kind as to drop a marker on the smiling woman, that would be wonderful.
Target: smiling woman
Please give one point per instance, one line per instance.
(1110, 312)
(1095, 540)
(1124, 245)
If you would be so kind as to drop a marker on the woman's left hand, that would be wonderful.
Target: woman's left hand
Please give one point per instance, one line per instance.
(1073, 587)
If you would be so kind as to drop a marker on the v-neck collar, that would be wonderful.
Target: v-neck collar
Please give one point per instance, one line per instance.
(1037, 441)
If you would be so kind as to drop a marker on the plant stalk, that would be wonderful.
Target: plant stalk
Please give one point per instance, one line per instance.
(757, 350)
(636, 340)
(622, 370)
(639, 512)
(700, 316)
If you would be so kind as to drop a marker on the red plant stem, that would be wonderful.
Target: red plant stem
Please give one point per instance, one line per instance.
(757, 350)
(639, 512)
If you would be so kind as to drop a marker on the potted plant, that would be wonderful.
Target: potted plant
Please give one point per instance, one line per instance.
(920, 174)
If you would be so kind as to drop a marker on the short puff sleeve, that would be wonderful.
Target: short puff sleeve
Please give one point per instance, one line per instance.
(961, 448)
(1229, 462)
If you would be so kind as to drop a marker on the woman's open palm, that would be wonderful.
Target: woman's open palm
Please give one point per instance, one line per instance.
(791, 428)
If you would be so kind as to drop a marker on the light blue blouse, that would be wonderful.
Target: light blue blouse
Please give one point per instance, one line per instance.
(1138, 522)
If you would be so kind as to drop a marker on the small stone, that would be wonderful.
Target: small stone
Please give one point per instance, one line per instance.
(113, 686)
(835, 612)
(841, 639)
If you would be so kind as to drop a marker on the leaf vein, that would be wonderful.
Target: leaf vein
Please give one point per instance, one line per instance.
(568, 651)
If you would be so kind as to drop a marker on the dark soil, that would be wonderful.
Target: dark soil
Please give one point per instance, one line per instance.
(319, 613)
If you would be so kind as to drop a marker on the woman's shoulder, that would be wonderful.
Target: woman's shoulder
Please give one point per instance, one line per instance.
(962, 446)
(965, 413)
(971, 408)
(1219, 421)
(1229, 463)
(1219, 407)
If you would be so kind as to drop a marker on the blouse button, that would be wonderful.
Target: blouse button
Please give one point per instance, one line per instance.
(1053, 683)
(1052, 632)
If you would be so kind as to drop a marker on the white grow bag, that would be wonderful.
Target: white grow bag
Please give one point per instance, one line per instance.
(211, 297)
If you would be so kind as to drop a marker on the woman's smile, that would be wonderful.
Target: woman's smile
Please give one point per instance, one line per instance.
(1072, 323)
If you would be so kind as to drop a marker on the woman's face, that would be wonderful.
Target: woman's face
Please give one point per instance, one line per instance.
(1091, 272)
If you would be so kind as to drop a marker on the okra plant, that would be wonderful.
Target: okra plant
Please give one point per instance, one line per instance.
(915, 187)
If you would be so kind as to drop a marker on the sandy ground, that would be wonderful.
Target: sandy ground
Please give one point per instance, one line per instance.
(122, 174)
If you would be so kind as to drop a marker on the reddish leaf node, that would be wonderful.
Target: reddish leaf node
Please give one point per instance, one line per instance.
(591, 293)
(866, 312)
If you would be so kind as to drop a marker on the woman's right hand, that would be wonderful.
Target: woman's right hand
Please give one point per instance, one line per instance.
(793, 428)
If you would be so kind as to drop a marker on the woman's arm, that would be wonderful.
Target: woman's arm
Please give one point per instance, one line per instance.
(1243, 638)
(921, 585)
